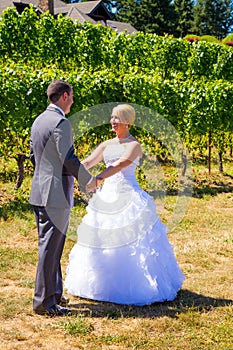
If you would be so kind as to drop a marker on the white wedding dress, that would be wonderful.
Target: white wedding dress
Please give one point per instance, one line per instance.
(122, 254)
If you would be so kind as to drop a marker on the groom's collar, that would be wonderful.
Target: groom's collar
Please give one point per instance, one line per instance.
(52, 105)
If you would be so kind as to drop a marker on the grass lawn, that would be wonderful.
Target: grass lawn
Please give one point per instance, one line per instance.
(201, 317)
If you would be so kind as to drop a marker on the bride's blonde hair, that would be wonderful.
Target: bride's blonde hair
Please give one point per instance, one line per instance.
(125, 112)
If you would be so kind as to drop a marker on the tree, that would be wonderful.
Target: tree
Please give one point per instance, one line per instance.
(227, 17)
(110, 5)
(184, 9)
(213, 18)
(151, 16)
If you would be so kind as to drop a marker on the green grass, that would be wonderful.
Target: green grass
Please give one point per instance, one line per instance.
(77, 326)
(200, 318)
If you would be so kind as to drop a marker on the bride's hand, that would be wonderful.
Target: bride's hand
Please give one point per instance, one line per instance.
(99, 181)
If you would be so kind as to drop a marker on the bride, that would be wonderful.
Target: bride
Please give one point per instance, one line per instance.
(122, 254)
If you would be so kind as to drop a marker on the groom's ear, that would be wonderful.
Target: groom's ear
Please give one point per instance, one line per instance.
(65, 95)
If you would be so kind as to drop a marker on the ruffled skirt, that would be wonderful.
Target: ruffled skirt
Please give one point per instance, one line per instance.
(123, 254)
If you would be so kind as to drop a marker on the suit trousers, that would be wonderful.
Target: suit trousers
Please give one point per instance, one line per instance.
(52, 224)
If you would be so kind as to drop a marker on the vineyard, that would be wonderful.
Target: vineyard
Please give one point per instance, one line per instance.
(183, 95)
(189, 84)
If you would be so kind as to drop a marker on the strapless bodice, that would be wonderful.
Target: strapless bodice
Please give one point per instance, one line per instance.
(114, 152)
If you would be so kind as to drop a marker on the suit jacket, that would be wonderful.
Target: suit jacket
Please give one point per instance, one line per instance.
(52, 153)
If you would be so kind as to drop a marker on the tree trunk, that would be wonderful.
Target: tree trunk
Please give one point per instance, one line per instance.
(184, 161)
(209, 152)
(20, 161)
(220, 165)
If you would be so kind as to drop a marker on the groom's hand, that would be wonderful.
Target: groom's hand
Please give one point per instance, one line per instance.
(92, 185)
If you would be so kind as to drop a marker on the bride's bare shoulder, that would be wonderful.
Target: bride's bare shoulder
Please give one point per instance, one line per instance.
(111, 141)
(106, 143)
(136, 146)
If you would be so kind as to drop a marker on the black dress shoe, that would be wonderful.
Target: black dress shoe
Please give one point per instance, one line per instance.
(54, 310)
(57, 310)
(64, 301)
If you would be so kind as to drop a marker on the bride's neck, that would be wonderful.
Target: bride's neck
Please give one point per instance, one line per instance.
(123, 136)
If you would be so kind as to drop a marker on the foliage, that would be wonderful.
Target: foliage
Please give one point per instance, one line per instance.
(209, 39)
(184, 10)
(188, 84)
(192, 38)
(149, 16)
(202, 17)
(213, 17)
(228, 38)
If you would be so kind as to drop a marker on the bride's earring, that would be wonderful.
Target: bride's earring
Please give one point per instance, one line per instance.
(126, 126)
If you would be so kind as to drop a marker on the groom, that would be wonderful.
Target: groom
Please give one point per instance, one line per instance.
(52, 154)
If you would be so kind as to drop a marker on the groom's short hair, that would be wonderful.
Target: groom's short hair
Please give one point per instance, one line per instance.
(56, 89)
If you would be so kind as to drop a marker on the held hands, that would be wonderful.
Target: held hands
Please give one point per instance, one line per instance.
(94, 184)
(99, 181)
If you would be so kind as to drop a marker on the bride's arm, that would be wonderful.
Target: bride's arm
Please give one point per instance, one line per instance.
(95, 157)
(132, 152)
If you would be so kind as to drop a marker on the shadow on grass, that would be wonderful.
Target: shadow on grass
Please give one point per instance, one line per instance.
(18, 206)
(212, 190)
(201, 186)
(185, 301)
(199, 190)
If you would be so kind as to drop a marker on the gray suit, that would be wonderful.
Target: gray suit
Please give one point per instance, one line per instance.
(52, 153)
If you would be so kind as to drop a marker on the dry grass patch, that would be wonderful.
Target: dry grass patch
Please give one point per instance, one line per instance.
(200, 317)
